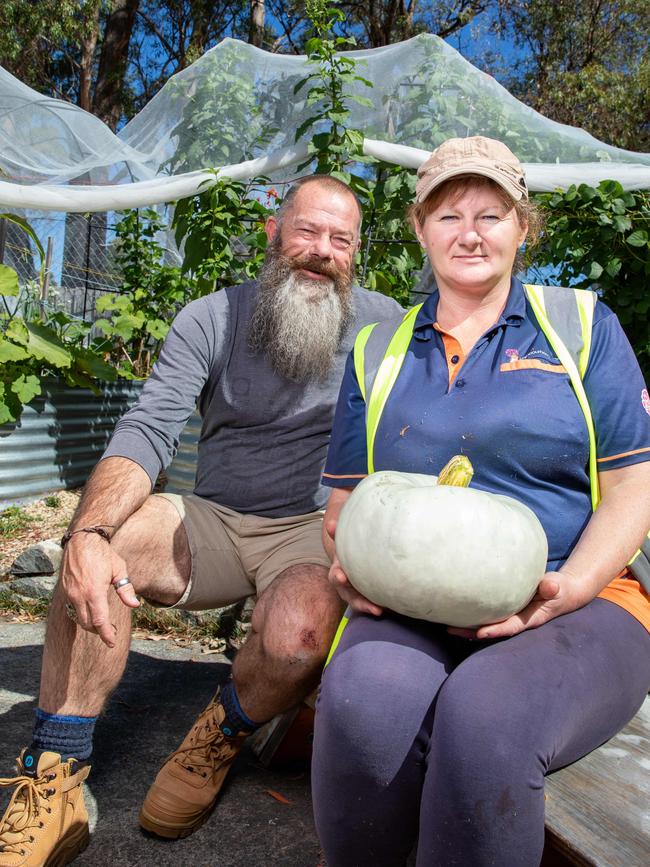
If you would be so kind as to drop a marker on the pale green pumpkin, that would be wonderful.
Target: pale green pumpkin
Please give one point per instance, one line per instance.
(427, 548)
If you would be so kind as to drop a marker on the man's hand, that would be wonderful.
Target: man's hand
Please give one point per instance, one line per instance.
(346, 591)
(116, 489)
(555, 595)
(88, 569)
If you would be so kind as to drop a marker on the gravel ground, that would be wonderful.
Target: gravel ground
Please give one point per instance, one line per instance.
(44, 522)
(264, 815)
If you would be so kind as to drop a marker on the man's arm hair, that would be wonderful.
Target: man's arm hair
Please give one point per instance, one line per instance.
(115, 490)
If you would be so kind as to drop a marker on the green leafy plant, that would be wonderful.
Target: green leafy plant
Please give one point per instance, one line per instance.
(52, 501)
(37, 342)
(330, 89)
(393, 256)
(599, 238)
(138, 318)
(390, 255)
(8, 277)
(221, 232)
(595, 236)
(223, 121)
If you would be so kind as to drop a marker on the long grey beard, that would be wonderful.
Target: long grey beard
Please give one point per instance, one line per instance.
(299, 322)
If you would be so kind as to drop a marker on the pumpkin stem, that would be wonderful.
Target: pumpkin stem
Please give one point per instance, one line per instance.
(457, 472)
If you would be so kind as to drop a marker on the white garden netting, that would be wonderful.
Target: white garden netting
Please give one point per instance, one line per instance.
(235, 110)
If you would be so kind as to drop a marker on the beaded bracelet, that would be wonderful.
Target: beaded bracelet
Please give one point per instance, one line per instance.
(99, 530)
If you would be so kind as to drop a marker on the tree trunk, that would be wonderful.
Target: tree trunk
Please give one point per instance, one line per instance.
(88, 46)
(256, 31)
(201, 14)
(109, 90)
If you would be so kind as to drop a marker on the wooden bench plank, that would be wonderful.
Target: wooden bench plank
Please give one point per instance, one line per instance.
(598, 809)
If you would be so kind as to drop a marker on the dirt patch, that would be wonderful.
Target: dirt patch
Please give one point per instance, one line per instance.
(44, 519)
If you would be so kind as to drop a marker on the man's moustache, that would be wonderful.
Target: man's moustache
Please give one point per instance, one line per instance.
(311, 263)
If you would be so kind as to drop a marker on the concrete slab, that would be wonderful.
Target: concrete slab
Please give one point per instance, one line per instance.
(163, 689)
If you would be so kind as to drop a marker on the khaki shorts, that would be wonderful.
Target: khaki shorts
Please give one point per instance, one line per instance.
(235, 555)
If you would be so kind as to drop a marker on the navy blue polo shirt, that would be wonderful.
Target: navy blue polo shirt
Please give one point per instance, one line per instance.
(509, 406)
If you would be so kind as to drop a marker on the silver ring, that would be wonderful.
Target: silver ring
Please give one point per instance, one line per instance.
(121, 582)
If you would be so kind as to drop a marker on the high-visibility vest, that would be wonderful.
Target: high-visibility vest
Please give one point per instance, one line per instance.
(566, 318)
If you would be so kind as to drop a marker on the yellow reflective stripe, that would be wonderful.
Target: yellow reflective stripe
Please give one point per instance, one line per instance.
(536, 298)
(385, 380)
(585, 302)
(358, 355)
(335, 643)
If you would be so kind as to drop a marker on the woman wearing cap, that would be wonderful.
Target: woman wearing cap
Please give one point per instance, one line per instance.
(443, 736)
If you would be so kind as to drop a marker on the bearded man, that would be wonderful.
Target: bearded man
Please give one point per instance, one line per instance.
(263, 361)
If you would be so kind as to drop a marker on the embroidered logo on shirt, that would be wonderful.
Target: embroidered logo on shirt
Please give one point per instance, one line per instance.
(645, 400)
(513, 355)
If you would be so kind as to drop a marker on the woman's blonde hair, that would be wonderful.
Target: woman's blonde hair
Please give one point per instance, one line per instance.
(527, 212)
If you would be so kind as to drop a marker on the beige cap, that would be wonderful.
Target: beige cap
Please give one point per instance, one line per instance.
(475, 155)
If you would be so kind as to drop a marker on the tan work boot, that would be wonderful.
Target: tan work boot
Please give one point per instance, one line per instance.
(186, 788)
(46, 823)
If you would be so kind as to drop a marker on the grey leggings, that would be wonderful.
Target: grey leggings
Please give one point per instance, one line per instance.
(424, 737)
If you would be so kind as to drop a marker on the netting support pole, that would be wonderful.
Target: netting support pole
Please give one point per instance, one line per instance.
(45, 288)
(88, 239)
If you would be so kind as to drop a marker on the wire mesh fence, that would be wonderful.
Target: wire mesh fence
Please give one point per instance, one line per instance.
(81, 263)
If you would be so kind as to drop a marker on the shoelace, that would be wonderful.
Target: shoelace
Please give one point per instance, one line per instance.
(23, 810)
(202, 751)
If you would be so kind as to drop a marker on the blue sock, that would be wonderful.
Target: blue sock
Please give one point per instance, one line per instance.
(236, 720)
(70, 736)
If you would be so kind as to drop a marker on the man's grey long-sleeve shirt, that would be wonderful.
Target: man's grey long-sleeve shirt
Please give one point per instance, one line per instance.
(264, 438)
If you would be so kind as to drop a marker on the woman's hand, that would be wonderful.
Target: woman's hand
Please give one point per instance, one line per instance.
(555, 595)
(339, 579)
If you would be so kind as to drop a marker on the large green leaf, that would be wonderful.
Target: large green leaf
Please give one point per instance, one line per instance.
(78, 379)
(91, 363)
(26, 388)
(17, 331)
(639, 238)
(5, 411)
(104, 302)
(45, 345)
(157, 328)
(8, 281)
(11, 352)
(126, 324)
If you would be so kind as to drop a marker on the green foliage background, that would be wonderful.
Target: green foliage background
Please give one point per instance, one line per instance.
(595, 237)
(599, 238)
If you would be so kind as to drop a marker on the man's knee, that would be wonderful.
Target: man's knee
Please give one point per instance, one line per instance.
(297, 616)
(154, 545)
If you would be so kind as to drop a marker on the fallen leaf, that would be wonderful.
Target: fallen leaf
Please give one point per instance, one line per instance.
(277, 796)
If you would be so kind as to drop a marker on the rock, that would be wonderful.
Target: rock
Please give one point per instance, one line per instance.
(43, 558)
(220, 620)
(34, 587)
